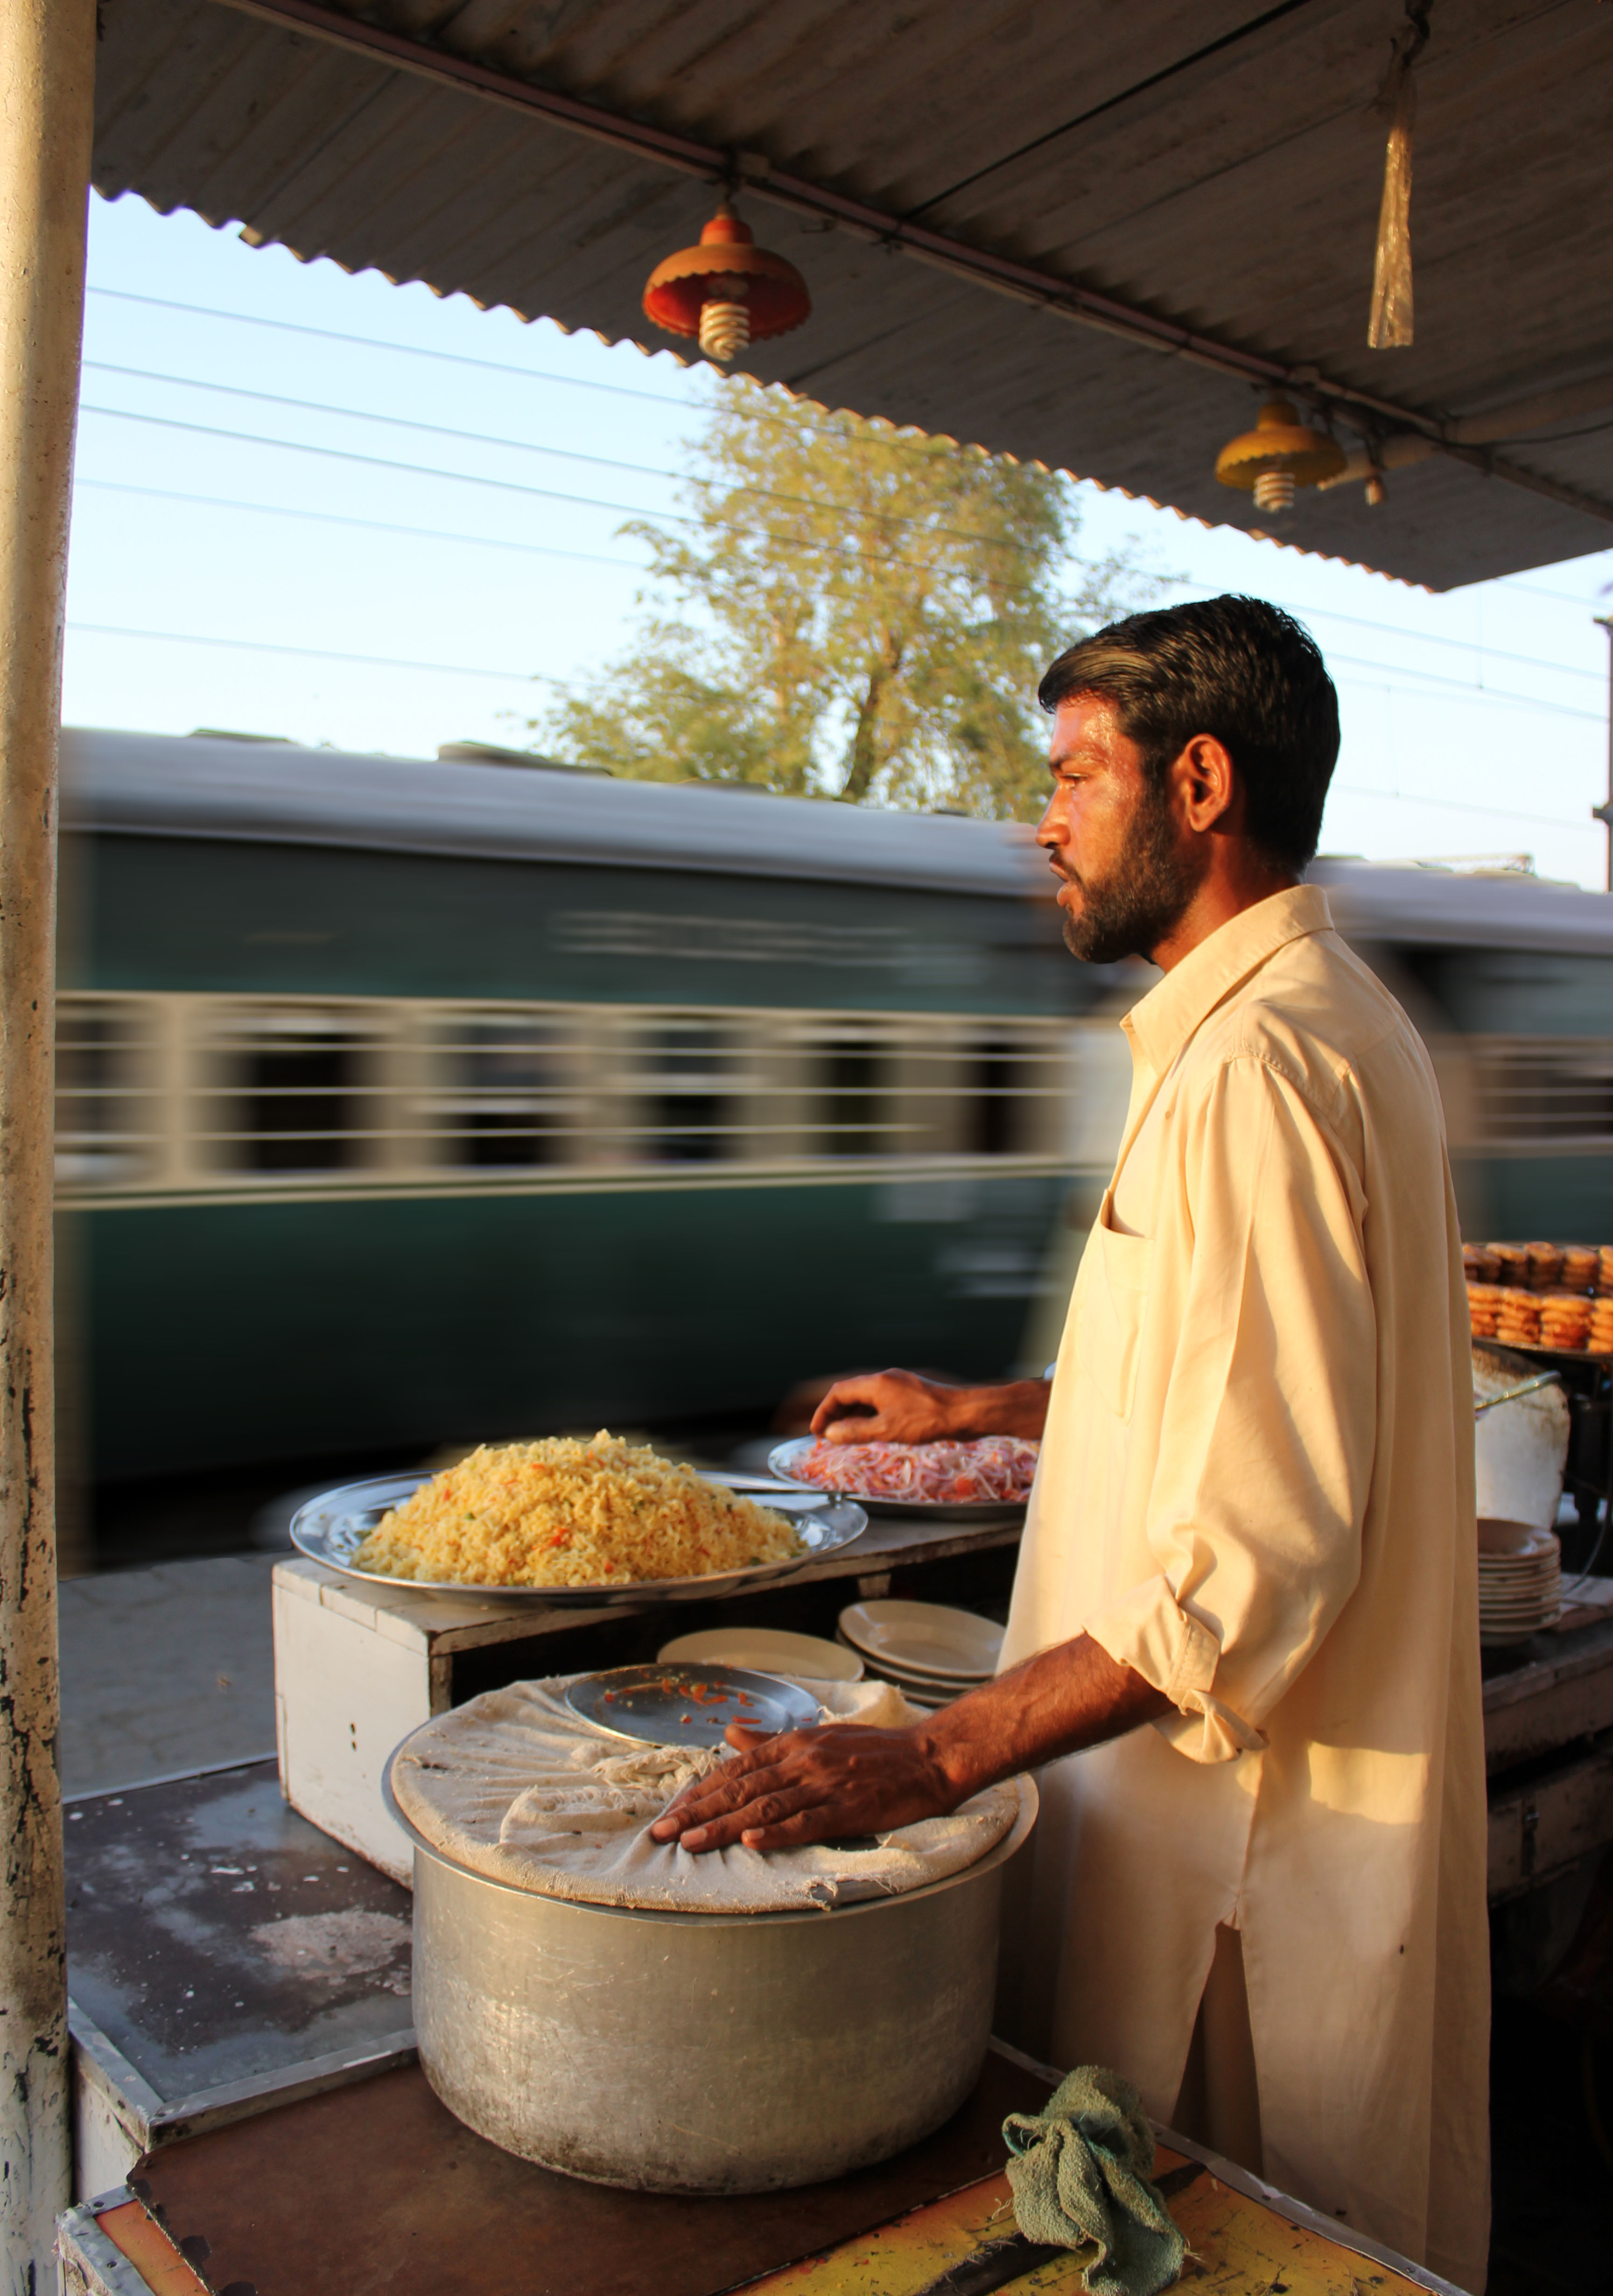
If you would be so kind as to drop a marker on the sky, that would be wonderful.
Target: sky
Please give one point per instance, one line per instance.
(342, 511)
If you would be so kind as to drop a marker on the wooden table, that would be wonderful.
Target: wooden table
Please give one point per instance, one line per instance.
(1549, 1751)
(373, 2190)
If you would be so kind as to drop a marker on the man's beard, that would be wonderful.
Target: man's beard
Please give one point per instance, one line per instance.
(1130, 912)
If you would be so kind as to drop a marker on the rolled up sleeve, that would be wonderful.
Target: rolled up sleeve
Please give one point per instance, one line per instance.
(1259, 1487)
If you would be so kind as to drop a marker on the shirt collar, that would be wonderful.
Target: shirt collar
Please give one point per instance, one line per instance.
(1161, 1022)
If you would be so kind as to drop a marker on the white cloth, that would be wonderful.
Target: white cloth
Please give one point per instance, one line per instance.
(517, 1786)
(1256, 1489)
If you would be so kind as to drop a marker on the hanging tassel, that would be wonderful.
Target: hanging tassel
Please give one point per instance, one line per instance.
(1391, 322)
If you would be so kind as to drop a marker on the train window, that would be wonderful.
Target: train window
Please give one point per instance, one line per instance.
(1543, 1092)
(507, 1103)
(691, 1080)
(997, 1087)
(102, 1133)
(289, 1090)
(853, 1086)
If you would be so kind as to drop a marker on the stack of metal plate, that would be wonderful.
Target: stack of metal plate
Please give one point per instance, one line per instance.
(1519, 1581)
(932, 1653)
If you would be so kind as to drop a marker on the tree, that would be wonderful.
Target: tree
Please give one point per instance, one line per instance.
(861, 612)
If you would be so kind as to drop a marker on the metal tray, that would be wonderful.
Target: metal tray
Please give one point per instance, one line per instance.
(689, 1705)
(782, 1461)
(331, 1528)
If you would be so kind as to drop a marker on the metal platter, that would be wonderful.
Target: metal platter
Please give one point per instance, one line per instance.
(330, 1530)
(689, 1705)
(782, 1461)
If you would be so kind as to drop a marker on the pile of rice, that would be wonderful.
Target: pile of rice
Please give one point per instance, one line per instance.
(563, 1512)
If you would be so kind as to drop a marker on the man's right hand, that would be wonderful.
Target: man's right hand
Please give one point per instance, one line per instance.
(897, 1406)
(887, 1407)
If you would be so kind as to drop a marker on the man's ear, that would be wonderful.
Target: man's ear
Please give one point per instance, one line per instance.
(1209, 783)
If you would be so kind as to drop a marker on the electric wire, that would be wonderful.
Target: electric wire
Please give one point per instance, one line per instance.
(695, 405)
(524, 677)
(367, 525)
(407, 350)
(1532, 662)
(500, 486)
(792, 542)
(527, 447)
(315, 653)
(456, 670)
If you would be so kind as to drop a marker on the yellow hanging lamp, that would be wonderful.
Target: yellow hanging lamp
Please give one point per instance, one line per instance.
(1279, 454)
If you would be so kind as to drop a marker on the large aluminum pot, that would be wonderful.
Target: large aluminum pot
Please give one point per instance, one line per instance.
(703, 2052)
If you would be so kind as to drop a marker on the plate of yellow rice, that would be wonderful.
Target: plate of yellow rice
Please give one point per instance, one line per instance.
(562, 1519)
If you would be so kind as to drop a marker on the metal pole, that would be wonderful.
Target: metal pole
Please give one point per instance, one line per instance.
(47, 60)
(1604, 813)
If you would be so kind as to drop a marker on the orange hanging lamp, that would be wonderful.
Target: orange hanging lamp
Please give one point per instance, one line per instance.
(727, 291)
(1279, 454)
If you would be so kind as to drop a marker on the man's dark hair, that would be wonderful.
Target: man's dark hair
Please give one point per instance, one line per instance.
(1232, 666)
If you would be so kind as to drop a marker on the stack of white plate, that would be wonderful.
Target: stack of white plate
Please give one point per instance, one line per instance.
(1519, 1581)
(933, 1655)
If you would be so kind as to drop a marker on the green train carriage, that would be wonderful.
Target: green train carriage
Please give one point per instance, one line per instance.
(404, 1101)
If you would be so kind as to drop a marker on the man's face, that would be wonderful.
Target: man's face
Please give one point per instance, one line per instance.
(1128, 868)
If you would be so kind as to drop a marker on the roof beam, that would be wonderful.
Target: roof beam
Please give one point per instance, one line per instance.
(1377, 419)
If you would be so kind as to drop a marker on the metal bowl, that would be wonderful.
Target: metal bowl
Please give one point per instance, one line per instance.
(703, 2052)
(782, 1461)
(331, 1528)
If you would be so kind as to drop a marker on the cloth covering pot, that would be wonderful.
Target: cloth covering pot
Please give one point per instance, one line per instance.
(517, 1787)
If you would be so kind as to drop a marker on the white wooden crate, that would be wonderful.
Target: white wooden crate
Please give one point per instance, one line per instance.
(357, 1668)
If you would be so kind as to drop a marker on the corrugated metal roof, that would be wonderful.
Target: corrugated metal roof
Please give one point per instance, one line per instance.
(1236, 194)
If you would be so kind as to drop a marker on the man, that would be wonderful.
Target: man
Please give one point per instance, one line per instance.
(1244, 1631)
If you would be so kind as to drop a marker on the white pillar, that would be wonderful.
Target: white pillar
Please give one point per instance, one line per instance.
(47, 62)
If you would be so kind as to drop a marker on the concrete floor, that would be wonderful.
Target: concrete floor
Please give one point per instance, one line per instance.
(165, 1670)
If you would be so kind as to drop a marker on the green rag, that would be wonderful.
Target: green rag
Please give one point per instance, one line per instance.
(1080, 2174)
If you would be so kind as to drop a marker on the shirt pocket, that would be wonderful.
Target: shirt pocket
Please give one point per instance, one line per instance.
(1111, 1304)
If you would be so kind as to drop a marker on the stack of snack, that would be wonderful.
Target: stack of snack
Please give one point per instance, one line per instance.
(1542, 1295)
(1564, 1321)
(1511, 1263)
(1518, 1319)
(1544, 1262)
(1483, 1306)
(1580, 1265)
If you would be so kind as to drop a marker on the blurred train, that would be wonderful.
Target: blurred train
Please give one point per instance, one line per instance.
(400, 1103)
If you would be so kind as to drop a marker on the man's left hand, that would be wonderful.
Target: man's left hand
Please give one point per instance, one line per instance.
(841, 1780)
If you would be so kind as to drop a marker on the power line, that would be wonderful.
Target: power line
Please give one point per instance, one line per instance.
(1383, 675)
(315, 653)
(501, 486)
(497, 366)
(769, 494)
(1461, 805)
(369, 525)
(463, 669)
(405, 350)
(1434, 637)
(529, 446)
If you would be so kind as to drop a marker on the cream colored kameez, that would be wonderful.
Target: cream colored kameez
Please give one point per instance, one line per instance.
(1256, 1489)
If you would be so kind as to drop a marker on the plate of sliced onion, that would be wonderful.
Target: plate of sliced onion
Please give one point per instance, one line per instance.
(986, 1479)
